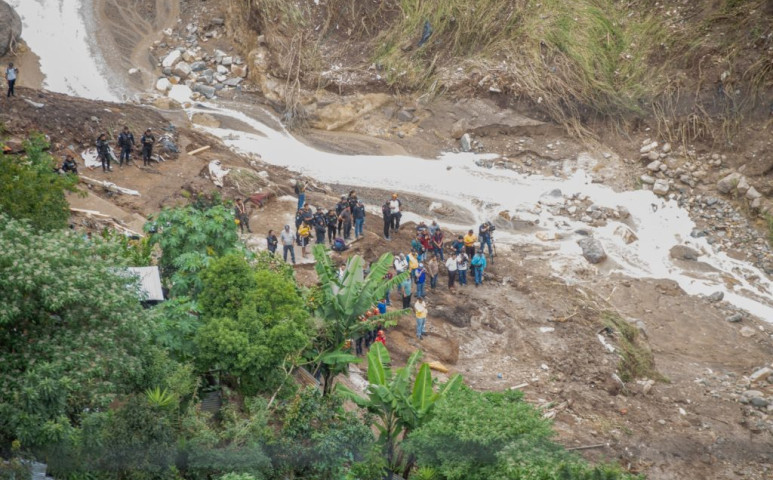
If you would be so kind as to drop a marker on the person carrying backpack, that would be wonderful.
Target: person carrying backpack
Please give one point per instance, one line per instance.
(359, 219)
(478, 266)
(320, 223)
(147, 141)
(103, 152)
(484, 234)
(126, 142)
(421, 277)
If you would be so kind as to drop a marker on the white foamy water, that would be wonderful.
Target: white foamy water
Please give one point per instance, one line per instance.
(56, 30)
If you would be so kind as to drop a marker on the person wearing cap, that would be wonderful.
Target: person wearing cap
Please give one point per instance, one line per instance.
(420, 275)
(359, 219)
(320, 225)
(11, 73)
(478, 264)
(288, 243)
(103, 152)
(126, 142)
(147, 141)
(395, 212)
(421, 318)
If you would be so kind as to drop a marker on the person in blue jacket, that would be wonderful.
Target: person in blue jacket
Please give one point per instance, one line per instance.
(478, 264)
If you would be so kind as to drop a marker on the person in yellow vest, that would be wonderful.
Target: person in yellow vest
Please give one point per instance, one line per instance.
(469, 243)
(304, 233)
(413, 263)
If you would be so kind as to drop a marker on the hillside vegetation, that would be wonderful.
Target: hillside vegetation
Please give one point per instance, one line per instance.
(696, 69)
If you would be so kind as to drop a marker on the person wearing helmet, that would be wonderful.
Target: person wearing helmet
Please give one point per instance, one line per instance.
(395, 211)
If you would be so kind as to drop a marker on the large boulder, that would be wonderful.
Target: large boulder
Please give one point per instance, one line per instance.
(10, 28)
(592, 250)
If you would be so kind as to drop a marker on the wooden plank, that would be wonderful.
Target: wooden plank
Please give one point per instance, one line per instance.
(199, 150)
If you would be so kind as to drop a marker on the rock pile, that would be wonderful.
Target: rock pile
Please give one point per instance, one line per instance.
(191, 71)
(753, 392)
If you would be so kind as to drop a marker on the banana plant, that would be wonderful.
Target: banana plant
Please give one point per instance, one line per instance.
(399, 404)
(344, 300)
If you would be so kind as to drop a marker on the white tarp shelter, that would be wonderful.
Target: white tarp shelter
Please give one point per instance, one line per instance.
(150, 283)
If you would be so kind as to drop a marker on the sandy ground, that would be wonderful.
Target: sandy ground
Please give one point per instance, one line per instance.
(29, 67)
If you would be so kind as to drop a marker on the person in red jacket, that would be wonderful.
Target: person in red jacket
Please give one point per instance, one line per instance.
(381, 338)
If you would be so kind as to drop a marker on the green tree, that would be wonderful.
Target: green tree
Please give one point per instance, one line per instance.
(343, 301)
(496, 435)
(73, 334)
(189, 239)
(399, 405)
(253, 321)
(29, 187)
(319, 439)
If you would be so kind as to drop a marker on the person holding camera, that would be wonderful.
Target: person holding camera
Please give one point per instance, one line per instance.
(484, 235)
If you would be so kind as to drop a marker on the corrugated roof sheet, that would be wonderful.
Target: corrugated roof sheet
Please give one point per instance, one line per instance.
(150, 282)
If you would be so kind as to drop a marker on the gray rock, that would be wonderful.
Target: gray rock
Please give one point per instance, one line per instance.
(217, 21)
(592, 250)
(647, 179)
(648, 148)
(227, 61)
(729, 182)
(233, 82)
(711, 201)
(716, 297)
(752, 194)
(761, 373)
(661, 187)
(10, 28)
(182, 69)
(198, 66)
(466, 142)
(404, 116)
(682, 252)
(735, 318)
(759, 402)
(698, 233)
(653, 155)
(205, 90)
(654, 166)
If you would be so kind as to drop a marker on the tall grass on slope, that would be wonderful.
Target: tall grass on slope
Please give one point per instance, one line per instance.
(581, 58)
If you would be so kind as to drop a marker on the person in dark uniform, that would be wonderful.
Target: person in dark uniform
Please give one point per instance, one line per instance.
(147, 141)
(126, 142)
(103, 152)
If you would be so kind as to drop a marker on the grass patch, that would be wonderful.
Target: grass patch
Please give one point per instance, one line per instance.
(636, 358)
(574, 58)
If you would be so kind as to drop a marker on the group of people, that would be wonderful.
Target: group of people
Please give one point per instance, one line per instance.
(127, 144)
(428, 251)
(334, 225)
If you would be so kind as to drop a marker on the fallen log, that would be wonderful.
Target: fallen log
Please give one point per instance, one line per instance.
(109, 186)
(199, 150)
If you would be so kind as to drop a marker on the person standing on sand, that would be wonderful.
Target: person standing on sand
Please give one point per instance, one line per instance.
(126, 142)
(11, 74)
(300, 190)
(103, 152)
(147, 141)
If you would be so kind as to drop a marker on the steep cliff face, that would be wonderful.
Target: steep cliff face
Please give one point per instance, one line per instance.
(10, 28)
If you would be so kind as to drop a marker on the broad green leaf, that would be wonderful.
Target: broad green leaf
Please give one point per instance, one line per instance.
(422, 389)
(377, 357)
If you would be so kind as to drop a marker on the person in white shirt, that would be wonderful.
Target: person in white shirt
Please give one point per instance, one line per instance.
(11, 73)
(288, 243)
(395, 207)
(452, 267)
